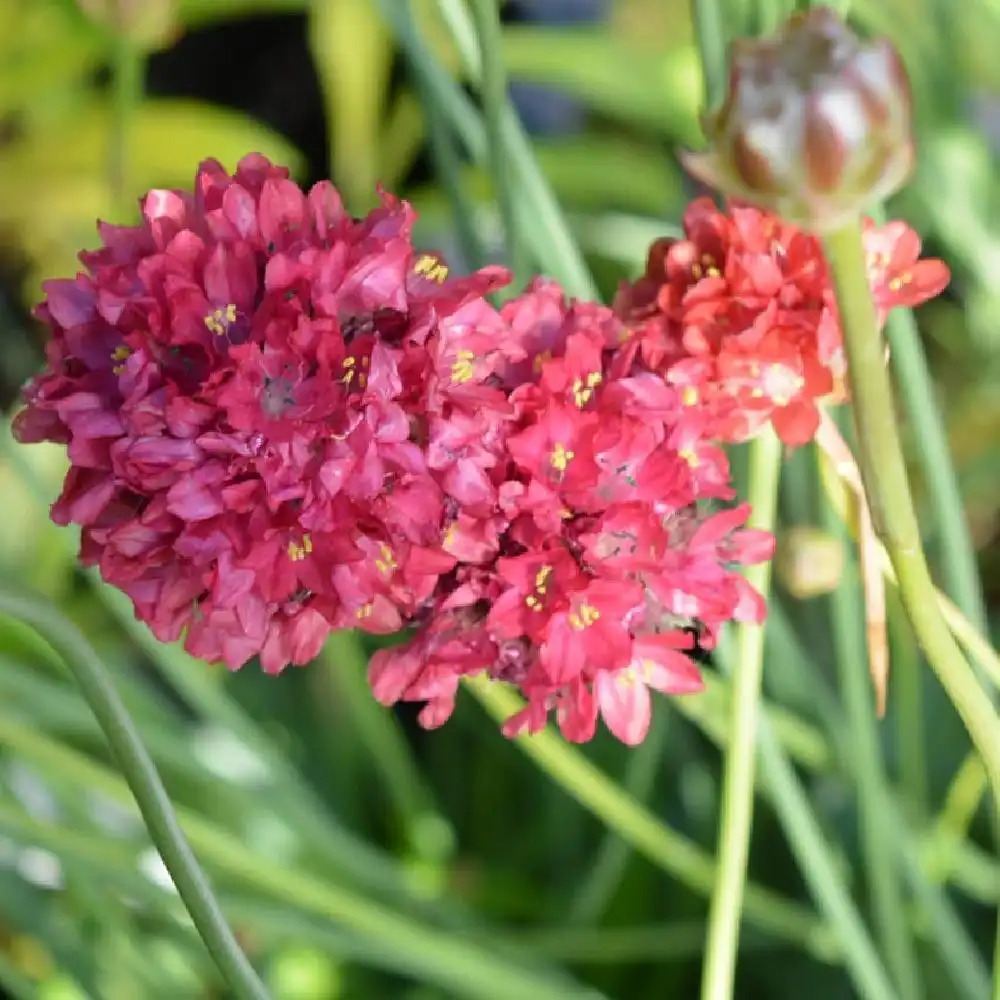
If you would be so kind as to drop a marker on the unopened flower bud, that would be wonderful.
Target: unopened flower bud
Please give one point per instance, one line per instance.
(815, 123)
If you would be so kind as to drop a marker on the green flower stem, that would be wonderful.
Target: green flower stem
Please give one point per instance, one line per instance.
(343, 660)
(150, 795)
(818, 865)
(877, 842)
(597, 889)
(738, 777)
(910, 725)
(884, 474)
(709, 20)
(664, 847)
(449, 959)
(493, 89)
(975, 643)
(128, 68)
(448, 168)
(543, 222)
(939, 923)
(959, 570)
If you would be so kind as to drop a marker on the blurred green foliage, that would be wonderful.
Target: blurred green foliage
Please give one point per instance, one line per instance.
(355, 856)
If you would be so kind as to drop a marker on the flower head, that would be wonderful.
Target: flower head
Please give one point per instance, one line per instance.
(740, 315)
(603, 551)
(815, 123)
(255, 390)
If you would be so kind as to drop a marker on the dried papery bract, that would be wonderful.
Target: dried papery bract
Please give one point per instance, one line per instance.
(816, 123)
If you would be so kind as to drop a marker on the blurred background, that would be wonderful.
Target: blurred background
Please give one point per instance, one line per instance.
(356, 856)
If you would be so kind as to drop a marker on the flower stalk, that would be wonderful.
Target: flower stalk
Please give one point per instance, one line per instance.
(886, 483)
(150, 795)
(738, 781)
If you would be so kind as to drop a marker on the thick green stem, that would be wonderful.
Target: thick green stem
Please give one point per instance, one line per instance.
(150, 795)
(908, 692)
(886, 484)
(648, 834)
(738, 779)
(959, 571)
(127, 87)
(493, 89)
(877, 840)
(709, 21)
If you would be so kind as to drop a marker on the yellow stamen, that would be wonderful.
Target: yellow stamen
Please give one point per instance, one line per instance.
(431, 267)
(387, 563)
(561, 457)
(583, 390)
(297, 552)
(120, 353)
(540, 360)
(462, 369)
(218, 321)
(583, 617)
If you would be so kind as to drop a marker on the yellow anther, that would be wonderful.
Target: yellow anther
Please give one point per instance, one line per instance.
(297, 552)
(583, 390)
(120, 353)
(689, 395)
(462, 369)
(583, 617)
(561, 457)
(431, 267)
(218, 321)
(540, 360)
(387, 561)
(365, 610)
(690, 456)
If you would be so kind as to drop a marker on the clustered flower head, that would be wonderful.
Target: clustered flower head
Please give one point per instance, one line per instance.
(740, 315)
(283, 421)
(815, 124)
(251, 386)
(597, 552)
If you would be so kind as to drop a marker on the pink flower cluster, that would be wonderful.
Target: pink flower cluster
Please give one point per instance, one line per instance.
(254, 390)
(593, 555)
(740, 315)
(283, 421)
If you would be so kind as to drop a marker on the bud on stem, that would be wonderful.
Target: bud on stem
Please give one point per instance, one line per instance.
(815, 123)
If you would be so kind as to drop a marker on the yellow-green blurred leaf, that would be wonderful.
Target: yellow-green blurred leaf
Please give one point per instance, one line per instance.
(590, 172)
(656, 90)
(352, 53)
(45, 47)
(57, 180)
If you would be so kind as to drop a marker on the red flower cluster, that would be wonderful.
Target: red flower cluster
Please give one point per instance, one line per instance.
(282, 421)
(249, 386)
(591, 555)
(740, 315)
